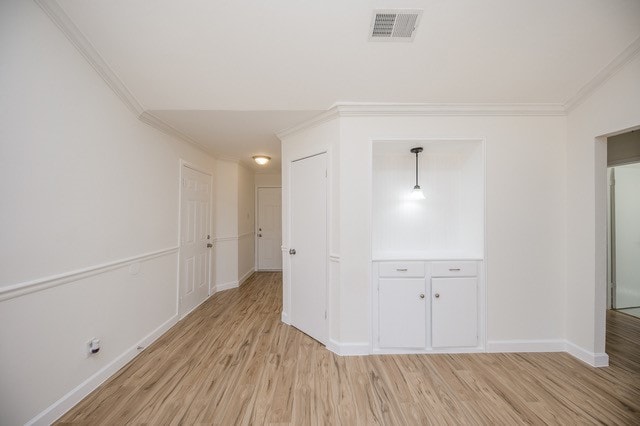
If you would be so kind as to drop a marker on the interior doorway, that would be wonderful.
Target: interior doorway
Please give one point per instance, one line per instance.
(269, 232)
(623, 159)
(624, 207)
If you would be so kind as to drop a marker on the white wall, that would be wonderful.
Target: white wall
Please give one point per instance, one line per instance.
(83, 184)
(525, 219)
(262, 180)
(226, 241)
(611, 108)
(525, 200)
(320, 138)
(235, 218)
(449, 222)
(246, 222)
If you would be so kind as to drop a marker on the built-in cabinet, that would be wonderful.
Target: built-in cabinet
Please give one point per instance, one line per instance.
(426, 306)
(428, 253)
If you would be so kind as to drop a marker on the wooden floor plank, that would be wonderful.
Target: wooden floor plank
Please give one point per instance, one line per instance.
(232, 361)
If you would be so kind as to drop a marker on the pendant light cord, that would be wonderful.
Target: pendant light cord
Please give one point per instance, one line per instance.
(416, 170)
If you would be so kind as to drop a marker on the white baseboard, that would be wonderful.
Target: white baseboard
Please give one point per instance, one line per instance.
(591, 358)
(226, 286)
(555, 345)
(246, 276)
(68, 401)
(348, 349)
(552, 345)
(285, 318)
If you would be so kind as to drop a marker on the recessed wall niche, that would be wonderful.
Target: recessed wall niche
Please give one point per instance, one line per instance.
(449, 222)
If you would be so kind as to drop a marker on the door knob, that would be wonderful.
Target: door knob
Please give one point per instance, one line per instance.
(259, 235)
(209, 245)
(292, 251)
(437, 295)
(422, 296)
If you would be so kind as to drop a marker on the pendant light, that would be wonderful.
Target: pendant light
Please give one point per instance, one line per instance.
(417, 193)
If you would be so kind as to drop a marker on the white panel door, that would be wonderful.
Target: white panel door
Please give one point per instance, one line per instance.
(402, 312)
(195, 213)
(309, 243)
(269, 229)
(627, 236)
(454, 312)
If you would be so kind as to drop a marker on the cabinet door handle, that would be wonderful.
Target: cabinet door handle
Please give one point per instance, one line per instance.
(401, 269)
(454, 269)
(437, 295)
(422, 296)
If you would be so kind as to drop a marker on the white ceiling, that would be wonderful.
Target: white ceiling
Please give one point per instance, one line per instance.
(231, 73)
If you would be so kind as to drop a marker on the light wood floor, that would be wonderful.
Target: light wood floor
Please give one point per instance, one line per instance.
(233, 362)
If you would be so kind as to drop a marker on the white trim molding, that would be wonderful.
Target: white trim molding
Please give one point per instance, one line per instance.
(626, 56)
(246, 276)
(367, 109)
(226, 286)
(64, 404)
(348, 349)
(509, 346)
(552, 345)
(225, 239)
(59, 17)
(152, 120)
(591, 358)
(21, 289)
(312, 122)
(354, 109)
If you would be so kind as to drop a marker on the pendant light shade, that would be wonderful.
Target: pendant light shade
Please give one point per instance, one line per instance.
(417, 193)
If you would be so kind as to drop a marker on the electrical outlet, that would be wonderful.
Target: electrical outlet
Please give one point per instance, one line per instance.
(93, 346)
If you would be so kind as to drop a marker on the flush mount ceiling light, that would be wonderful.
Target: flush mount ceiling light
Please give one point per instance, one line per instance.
(261, 159)
(394, 24)
(417, 193)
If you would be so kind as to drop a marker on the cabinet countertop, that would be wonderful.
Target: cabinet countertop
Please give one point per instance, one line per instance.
(422, 256)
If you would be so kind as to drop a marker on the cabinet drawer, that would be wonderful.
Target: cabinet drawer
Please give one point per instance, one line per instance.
(402, 269)
(454, 269)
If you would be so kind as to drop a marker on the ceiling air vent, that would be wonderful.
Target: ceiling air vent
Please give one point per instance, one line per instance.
(394, 25)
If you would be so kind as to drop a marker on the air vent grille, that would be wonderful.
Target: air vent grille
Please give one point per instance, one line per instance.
(394, 25)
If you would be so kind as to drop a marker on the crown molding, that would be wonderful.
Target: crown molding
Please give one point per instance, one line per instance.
(626, 56)
(447, 109)
(328, 115)
(152, 120)
(82, 44)
(60, 18)
(355, 109)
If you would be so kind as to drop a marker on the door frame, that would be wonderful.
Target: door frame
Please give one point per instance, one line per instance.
(255, 225)
(286, 318)
(183, 164)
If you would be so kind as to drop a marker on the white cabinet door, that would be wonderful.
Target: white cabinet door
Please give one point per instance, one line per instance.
(402, 311)
(454, 306)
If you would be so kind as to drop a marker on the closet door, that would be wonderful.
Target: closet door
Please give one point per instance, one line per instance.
(402, 313)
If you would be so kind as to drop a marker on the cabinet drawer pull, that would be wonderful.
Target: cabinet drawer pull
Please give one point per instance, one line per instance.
(454, 269)
(437, 295)
(401, 269)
